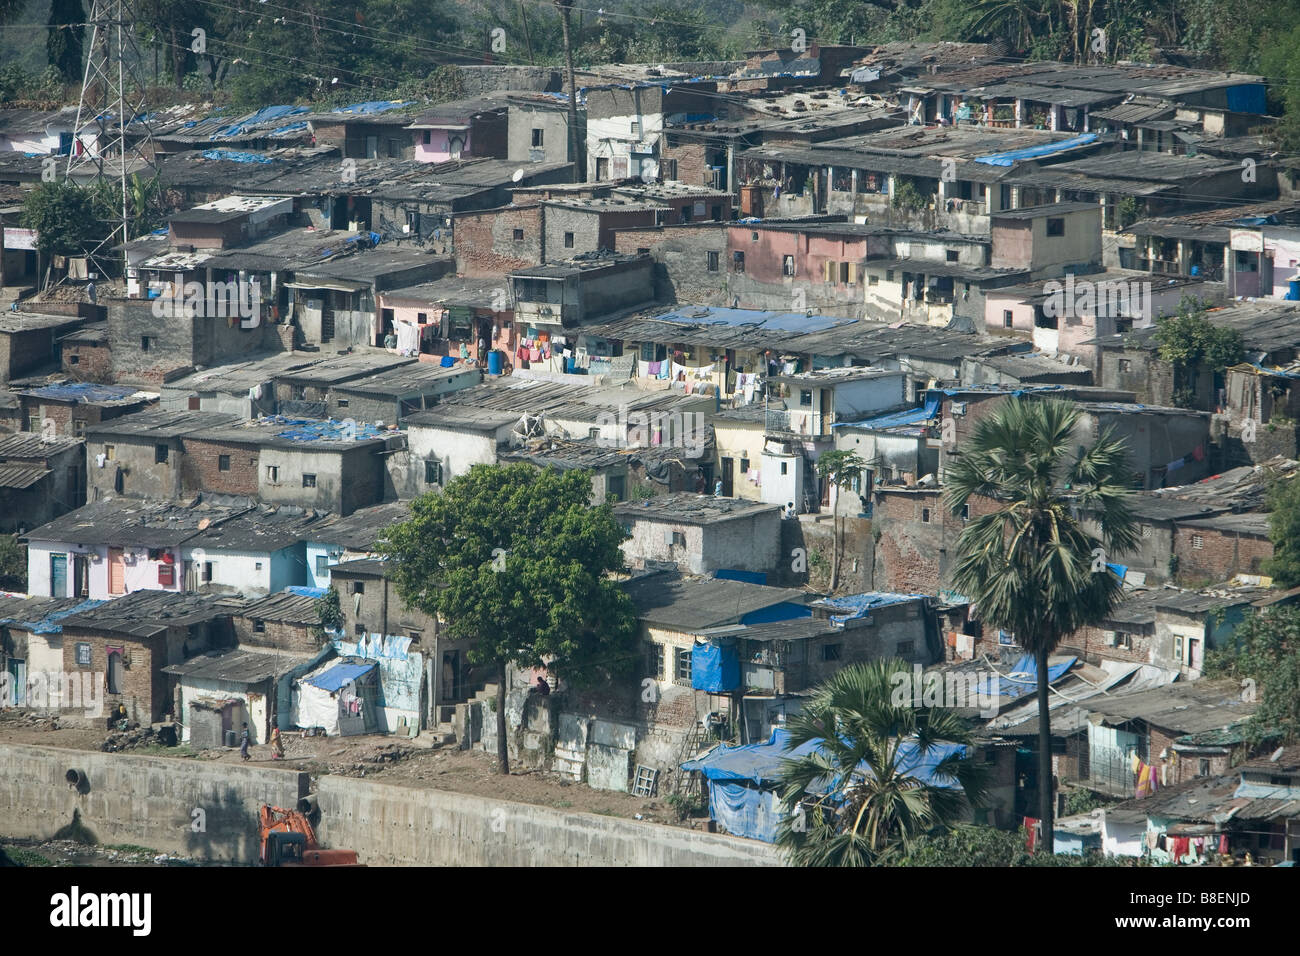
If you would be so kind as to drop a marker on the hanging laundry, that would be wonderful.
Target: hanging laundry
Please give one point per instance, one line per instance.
(1134, 763)
(1223, 843)
(1144, 781)
(1031, 828)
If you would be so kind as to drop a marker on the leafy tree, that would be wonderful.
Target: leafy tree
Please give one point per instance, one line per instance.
(1190, 342)
(984, 846)
(1265, 647)
(13, 564)
(1284, 532)
(838, 816)
(1029, 564)
(329, 613)
(515, 559)
(66, 218)
(66, 42)
(842, 469)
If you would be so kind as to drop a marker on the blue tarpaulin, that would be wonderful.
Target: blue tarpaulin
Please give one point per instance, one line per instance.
(1023, 677)
(742, 780)
(51, 623)
(860, 605)
(236, 156)
(1032, 152)
(894, 419)
(715, 667)
(262, 117)
(306, 591)
(749, 577)
(774, 321)
(336, 677)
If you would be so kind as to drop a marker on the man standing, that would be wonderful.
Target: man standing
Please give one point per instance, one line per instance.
(244, 741)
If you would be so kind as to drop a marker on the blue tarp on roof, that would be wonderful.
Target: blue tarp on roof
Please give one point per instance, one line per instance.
(236, 156)
(894, 419)
(776, 321)
(1023, 677)
(860, 605)
(306, 590)
(316, 429)
(52, 623)
(715, 667)
(749, 577)
(1032, 152)
(334, 678)
(265, 115)
(742, 795)
(82, 392)
(374, 106)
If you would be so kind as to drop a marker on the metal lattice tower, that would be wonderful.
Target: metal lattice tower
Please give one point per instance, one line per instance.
(112, 98)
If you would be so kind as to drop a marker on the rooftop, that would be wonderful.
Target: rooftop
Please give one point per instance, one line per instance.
(158, 423)
(134, 522)
(666, 599)
(284, 607)
(148, 614)
(234, 666)
(284, 432)
(686, 508)
(360, 530)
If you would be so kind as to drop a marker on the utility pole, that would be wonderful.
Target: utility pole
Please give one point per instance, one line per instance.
(575, 152)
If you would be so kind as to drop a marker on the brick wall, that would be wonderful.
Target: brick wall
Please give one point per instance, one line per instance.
(692, 168)
(276, 634)
(143, 688)
(88, 363)
(485, 243)
(682, 262)
(1221, 555)
(200, 469)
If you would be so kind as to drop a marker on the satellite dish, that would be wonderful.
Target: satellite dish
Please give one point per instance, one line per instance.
(517, 175)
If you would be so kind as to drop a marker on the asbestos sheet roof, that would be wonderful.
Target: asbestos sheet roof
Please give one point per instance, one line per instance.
(19, 477)
(284, 607)
(149, 614)
(688, 604)
(234, 666)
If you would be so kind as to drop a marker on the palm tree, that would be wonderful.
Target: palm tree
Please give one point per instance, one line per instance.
(842, 469)
(1030, 565)
(859, 818)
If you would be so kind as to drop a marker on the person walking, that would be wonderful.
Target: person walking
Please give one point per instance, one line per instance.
(244, 741)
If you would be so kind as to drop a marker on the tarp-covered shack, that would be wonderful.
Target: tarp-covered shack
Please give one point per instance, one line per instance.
(744, 781)
(339, 697)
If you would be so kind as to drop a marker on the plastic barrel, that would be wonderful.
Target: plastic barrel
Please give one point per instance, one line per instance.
(494, 362)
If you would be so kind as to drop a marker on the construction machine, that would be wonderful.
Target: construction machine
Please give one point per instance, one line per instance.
(287, 839)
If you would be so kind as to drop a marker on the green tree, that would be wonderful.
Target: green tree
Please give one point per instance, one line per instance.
(65, 44)
(1284, 532)
(842, 469)
(1265, 647)
(1030, 565)
(1191, 343)
(66, 217)
(329, 614)
(516, 560)
(984, 846)
(839, 815)
(13, 564)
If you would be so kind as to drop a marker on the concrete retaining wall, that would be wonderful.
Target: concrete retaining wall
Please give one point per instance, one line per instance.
(150, 801)
(147, 801)
(391, 825)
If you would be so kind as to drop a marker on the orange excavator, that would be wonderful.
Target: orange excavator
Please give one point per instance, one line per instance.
(289, 840)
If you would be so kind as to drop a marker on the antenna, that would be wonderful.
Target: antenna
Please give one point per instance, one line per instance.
(112, 98)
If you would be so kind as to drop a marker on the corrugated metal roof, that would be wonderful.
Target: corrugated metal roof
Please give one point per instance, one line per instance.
(21, 476)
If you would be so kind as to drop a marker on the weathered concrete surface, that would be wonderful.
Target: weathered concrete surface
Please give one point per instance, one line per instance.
(147, 801)
(150, 801)
(401, 825)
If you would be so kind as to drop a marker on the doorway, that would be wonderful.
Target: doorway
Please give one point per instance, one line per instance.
(452, 684)
(728, 476)
(58, 575)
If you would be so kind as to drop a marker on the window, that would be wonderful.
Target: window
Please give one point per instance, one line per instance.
(643, 250)
(159, 454)
(787, 265)
(538, 136)
(713, 262)
(1056, 227)
(805, 397)
(925, 515)
(844, 273)
(74, 359)
(873, 279)
(1203, 767)
(679, 539)
(110, 452)
(889, 275)
(1124, 640)
(114, 682)
(259, 627)
(1006, 318)
(322, 564)
(205, 573)
(656, 661)
(686, 214)
(257, 565)
(831, 652)
(682, 667)
(905, 648)
(359, 629)
(737, 262)
(1125, 365)
(428, 137)
(784, 466)
(223, 463)
(272, 472)
(635, 127)
(433, 472)
(309, 481)
(965, 512)
(83, 655)
(144, 343)
(1178, 648)
(744, 466)
(518, 235)
(78, 427)
(951, 254)
(358, 587)
(1198, 542)
(568, 240)
(616, 488)
(753, 237)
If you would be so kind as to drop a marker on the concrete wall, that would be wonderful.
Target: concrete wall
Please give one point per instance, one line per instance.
(147, 801)
(399, 825)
